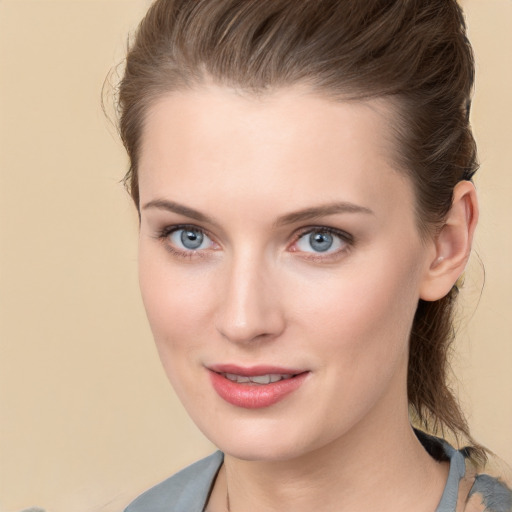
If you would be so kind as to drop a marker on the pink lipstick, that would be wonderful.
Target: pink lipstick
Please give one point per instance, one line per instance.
(255, 387)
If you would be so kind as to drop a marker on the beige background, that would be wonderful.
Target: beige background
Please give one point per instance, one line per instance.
(87, 418)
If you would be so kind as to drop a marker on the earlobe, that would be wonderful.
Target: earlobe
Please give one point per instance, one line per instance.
(452, 244)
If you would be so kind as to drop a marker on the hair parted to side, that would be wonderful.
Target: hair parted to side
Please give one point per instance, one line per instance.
(414, 52)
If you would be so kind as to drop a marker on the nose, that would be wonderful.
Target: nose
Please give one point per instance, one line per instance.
(248, 303)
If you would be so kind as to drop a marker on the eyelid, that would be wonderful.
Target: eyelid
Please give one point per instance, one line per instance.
(345, 237)
(163, 236)
(170, 228)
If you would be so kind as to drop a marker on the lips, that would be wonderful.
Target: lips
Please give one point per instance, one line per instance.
(255, 387)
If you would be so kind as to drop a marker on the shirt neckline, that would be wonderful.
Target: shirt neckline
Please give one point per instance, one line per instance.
(440, 450)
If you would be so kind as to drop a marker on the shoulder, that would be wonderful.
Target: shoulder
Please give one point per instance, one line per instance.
(186, 491)
(470, 488)
(490, 489)
(489, 494)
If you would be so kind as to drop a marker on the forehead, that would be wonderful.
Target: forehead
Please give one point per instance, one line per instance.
(289, 144)
(275, 117)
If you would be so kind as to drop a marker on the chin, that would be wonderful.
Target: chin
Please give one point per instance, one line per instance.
(268, 452)
(271, 441)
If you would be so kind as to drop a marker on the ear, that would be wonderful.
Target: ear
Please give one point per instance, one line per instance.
(452, 244)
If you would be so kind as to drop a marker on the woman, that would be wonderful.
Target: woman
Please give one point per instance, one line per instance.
(302, 172)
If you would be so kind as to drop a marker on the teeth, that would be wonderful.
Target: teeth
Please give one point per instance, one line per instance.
(274, 377)
(261, 379)
(257, 379)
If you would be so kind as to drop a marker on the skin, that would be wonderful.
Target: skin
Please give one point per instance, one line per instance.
(256, 292)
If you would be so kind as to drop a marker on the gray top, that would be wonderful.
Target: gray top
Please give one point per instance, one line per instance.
(186, 491)
(189, 490)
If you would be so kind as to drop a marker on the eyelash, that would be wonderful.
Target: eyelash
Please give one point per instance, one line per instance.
(346, 238)
(163, 236)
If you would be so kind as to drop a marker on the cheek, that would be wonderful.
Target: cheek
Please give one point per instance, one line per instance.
(357, 329)
(362, 314)
(177, 301)
(178, 305)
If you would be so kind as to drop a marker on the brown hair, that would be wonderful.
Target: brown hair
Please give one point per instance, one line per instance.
(414, 52)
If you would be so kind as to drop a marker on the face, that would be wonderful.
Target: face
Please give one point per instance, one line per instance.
(280, 265)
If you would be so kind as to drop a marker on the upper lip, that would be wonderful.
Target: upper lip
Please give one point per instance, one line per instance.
(253, 371)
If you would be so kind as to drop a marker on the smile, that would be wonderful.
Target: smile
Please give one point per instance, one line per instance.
(255, 388)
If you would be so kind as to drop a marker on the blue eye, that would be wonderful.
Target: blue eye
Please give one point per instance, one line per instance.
(190, 239)
(321, 241)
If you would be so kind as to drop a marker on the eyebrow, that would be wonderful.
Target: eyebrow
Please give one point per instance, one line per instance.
(306, 214)
(316, 212)
(171, 206)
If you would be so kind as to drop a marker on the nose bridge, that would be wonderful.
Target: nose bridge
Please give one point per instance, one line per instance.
(248, 306)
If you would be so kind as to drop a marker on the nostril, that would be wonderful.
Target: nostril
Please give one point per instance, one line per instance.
(258, 329)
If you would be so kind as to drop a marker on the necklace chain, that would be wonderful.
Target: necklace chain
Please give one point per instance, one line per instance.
(228, 507)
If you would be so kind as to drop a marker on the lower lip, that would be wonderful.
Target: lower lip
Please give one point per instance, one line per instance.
(255, 396)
